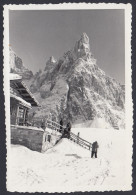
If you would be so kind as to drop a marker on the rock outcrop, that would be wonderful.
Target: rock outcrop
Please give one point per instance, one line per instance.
(16, 66)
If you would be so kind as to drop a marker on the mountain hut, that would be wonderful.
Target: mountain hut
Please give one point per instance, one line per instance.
(21, 101)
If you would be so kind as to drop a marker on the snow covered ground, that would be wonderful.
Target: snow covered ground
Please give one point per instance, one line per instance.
(68, 167)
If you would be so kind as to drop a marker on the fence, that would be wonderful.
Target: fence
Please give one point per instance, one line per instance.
(54, 125)
(57, 127)
(73, 137)
(80, 141)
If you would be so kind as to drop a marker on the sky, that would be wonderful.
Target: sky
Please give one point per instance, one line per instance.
(35, 35)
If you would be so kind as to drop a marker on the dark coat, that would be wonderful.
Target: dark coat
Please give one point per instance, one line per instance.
(95, 146)
(68, 127)
(61, 122)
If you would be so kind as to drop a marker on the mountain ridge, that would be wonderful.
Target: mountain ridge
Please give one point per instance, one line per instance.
(76, 89)
(17, 66)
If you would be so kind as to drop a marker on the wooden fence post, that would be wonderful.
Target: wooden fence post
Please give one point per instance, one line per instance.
(89, 146)
(78, 137)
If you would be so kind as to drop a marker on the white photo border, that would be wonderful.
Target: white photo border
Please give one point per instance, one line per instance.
(128, 73)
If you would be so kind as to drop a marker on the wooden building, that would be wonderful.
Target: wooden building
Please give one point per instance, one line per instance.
(21, 100)
(22, 133)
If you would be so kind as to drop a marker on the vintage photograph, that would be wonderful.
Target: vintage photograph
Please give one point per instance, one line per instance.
(68, 97)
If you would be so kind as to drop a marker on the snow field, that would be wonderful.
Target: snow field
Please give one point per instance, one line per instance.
(68, 167)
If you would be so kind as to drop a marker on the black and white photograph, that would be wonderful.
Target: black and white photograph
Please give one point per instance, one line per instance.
(68, 97)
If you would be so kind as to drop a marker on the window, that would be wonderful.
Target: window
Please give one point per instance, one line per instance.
(49, 138)
(12, 110)
(21, 112)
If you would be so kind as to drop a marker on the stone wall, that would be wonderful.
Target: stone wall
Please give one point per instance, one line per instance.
(32, 138)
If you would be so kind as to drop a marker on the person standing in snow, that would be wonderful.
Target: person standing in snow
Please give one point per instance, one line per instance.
(61, 125)
(95, 146)
(68, 127)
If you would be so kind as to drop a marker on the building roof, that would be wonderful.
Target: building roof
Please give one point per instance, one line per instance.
(23, 90)
(28, 105)
(15, 76)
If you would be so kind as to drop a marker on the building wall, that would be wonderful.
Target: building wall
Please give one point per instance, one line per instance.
(13, 111)
(32, 139)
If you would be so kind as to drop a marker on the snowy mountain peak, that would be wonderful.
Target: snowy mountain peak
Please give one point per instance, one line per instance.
(52, 59)
(50, 63)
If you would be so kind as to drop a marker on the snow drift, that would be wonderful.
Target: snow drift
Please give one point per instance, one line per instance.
(68, 167)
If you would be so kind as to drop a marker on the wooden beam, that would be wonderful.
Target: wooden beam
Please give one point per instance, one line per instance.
(28, 98)
(21, 89)
(25, 94)
(15, 84)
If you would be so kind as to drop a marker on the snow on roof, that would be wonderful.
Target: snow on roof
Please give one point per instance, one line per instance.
(15, 76)
(21, 100)
(23, 90)
(32, 96)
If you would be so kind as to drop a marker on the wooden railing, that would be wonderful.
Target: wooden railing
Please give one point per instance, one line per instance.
(80, 141)
(57, 127)
(73, 137)
(54, 125)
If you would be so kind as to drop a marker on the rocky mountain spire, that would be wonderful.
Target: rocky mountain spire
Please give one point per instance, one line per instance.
(84, 38)
(82, 47)
(17, 66)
